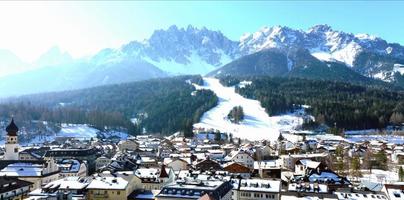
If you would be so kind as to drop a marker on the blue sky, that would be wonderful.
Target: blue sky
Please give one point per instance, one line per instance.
(84, 27)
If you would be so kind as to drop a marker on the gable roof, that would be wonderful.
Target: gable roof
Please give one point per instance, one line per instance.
(309, 163)
(236, 168)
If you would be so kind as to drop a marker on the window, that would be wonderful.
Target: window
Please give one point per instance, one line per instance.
(118, 192)
(15, 150)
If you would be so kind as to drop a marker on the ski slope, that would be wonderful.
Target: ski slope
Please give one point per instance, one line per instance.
(257, 125)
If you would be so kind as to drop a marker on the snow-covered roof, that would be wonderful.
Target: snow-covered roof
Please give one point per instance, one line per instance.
(360, 196)
(69, 166)
(267, 164)
(312, 155)
(307, 187)
(108, 183)
(170, 160)
(309, 163)
(196, 189)
(325, 176)
(22, 169)
(260, 185)
(73, 183)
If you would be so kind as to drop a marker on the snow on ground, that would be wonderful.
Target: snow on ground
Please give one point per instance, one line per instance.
(256, 125)
(78, 131)
(323, 56)
(112, 133)
(395, 139)
(242, 84)
(39, 139)
(379, 176)
(398, 68)
(196, 64)
(360, 132)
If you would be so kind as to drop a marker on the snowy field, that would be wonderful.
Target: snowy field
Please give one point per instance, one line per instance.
(77, 131)
(257, 125)
(86, 132)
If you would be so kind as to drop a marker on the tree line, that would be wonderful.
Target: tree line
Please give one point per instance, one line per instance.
(336, 104)
(168, 105)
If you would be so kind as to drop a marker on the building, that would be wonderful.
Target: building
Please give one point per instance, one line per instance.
(268, 168)
(192, 190)
(101, 162)
(361, 195)
(36, 172)
(177, 164)
(241, 157)
(66, 188)
(155, 178)
(71, 167)
(35, 153)
(11, 146)
(238, 169)
(13, 188)
(248, 189)
(83, 155)
(208, 165)
(102, 188)
(394, 191)
(304, 165)
(128, 145)
(289, 161)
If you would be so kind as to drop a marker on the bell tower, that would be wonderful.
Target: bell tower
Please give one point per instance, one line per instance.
(11, 145)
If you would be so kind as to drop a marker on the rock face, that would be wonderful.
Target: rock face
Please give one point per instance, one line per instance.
(192, 50)
(184, 51)
(369, 55)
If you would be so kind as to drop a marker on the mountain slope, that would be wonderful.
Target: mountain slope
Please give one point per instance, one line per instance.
(337, 104)
(363, 52)
(163, 105)
(295, 63)
(184, 50)
(10, 63)
(270, 62)
(200, 50)
(76, 75)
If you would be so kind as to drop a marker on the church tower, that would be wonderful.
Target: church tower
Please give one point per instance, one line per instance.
(11, 142)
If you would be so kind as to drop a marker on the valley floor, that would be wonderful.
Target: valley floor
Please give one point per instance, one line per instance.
(257, 125)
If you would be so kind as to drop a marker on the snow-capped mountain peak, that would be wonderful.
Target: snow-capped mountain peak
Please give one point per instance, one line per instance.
(322, 28)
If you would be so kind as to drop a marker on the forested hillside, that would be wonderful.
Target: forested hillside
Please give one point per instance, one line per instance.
(159, 105)
(344, 105)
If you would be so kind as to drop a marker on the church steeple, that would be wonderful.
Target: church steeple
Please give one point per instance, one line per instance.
(11, 146)
(12, 129)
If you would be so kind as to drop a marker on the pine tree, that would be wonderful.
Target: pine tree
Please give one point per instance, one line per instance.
(236, 114)
(231, 138)
(380, 160)
(355, 166)
(397, 118)
(188, 129)
(218, 136)
(401, 173)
